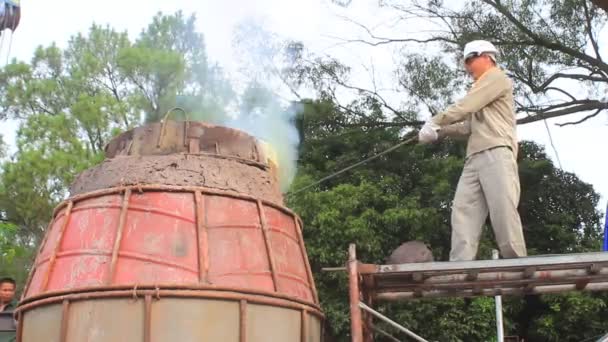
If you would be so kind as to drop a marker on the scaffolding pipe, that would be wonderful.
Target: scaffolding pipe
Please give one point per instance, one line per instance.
(391, 322)
(498, 299)
(488, 292)
(356, 323)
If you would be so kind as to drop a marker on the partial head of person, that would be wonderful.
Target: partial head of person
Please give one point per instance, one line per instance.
(479, 57)
(7, 290)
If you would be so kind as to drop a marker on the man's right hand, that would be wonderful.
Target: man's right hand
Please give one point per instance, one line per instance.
(428, 133)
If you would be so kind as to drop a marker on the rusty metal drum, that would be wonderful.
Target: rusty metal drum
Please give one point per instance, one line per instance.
(180, 235)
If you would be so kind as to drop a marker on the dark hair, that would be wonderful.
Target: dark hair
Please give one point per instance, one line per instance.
(8, 280)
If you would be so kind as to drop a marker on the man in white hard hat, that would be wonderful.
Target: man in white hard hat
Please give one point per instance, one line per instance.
(489, 182)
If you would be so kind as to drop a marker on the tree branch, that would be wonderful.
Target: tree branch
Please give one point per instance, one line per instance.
(597, 105)
(551, 45)
(579, 77)
(589, 30)
(370, 92)
(581, 120)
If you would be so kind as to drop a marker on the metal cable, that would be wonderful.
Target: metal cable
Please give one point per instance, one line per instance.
(405, 142)
(559, 162)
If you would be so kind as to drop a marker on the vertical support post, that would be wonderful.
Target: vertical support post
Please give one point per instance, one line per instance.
(356, 324)
(65, 318)
(268, 243)
(304, 326)
(202, 239)
(36, 256)
(311, 280)
(243, 321)
(368, 319)
(148, 318)
(20, 326)
(119, 232)
(606, 230)
(498, 299)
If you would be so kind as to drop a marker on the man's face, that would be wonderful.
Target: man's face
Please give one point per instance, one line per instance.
(477, 65)
(7, 292)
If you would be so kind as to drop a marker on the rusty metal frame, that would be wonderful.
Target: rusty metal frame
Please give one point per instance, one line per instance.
(241, 298)
(68, 214)
(200, 213)
(172, 188)
(167, 287)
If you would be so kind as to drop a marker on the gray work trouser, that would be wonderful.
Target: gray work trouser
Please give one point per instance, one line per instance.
(489, 183)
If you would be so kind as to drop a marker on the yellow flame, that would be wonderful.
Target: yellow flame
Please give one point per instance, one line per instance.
(270, 153)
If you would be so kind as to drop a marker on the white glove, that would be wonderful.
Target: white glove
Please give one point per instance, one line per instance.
(428, 133)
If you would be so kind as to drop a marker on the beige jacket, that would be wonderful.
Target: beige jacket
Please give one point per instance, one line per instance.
(486, 114)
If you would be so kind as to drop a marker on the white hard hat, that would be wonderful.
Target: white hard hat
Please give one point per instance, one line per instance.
(478, 47)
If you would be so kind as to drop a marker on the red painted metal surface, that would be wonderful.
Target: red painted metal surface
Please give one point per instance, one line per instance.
(137, 236)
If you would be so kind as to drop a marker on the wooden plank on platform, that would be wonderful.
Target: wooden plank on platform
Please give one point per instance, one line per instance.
(538, 262)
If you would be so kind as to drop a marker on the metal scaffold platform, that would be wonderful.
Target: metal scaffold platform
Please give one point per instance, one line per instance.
(370, 283)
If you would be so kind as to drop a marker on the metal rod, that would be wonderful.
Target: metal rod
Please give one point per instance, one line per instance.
(334, 269)
(391, 322)
(385, 334)
(368, 320)
(498, 300)
(356, 323)
(605, 249)
(304, 326)
(455, 280)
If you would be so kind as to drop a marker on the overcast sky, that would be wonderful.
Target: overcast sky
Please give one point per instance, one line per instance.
(581, 148)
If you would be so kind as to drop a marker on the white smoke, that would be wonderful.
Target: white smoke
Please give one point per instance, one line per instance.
(266, 107)
(263, 116)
